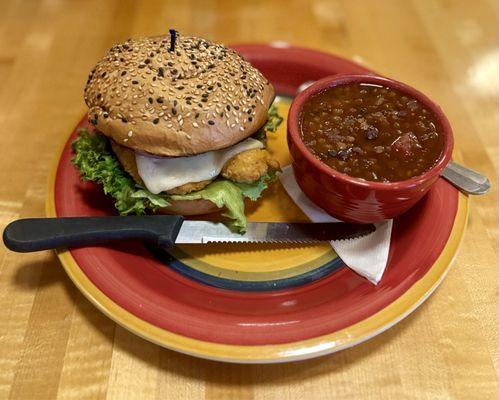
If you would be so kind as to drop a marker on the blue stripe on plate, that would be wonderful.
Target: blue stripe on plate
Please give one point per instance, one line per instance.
(251, 286)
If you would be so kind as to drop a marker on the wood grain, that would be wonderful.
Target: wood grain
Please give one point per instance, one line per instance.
(55, 344)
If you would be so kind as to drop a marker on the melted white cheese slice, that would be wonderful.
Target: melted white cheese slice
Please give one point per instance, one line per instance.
(164, 173)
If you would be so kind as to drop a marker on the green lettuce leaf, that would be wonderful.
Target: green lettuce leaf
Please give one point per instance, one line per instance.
(273, 122)
(223, 193)
(274, 119)
(228, 194)
(96, 162)
(254, 190)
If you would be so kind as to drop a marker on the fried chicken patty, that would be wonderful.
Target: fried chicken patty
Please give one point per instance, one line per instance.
(247, 167)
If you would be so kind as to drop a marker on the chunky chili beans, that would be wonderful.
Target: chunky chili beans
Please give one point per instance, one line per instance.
(371, 132)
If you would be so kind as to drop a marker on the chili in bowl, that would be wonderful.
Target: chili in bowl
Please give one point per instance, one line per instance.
(366, 148)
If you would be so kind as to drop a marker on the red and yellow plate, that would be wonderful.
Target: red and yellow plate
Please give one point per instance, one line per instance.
(259, 303)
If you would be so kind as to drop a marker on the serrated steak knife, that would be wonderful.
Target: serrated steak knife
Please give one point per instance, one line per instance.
(34, 234)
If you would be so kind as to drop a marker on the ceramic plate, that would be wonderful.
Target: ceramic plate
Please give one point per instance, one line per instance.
(259, 303)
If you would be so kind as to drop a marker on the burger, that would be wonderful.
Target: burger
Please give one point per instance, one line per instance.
(179, 126)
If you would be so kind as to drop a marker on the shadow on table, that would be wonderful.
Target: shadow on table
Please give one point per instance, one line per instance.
(188, 367)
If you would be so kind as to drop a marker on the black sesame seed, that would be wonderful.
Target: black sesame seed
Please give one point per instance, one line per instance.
(142, 66)
(189, 102)
(147, 61)
(99, 96)
(197, 115)
(152, 54)
(155, 121)
(219, 84)
(150, 100)
(123, 73)
(103, 75)
(153, 78)
(122, 59)
(174, 111)
(227, 107)
(250, 119)
(204, 95)
(210, 87)
(175, 102)
(174, 71)
(170, 64)
(159, 100)
(236, 107)
(124, 120)
(135, 82)
(161, 71)
(180, 87)
(105, 115)
(204, 99)
(211, 122)
(199, 86)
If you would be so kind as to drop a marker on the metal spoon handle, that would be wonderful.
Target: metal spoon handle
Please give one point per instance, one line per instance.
(465, 179)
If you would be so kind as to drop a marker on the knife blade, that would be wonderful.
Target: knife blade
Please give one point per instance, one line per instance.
(34, 234)
(192, 232)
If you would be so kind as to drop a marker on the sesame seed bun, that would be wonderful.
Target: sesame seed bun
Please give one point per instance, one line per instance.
(199, 97)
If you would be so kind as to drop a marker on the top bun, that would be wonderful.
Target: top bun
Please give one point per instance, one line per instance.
(199, 97)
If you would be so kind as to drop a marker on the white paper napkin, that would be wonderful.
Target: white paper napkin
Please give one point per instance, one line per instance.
(367, 255)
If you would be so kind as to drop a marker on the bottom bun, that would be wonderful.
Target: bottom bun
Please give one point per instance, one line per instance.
(189, 207)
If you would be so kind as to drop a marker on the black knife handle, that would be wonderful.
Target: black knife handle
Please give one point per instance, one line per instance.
(34, 234)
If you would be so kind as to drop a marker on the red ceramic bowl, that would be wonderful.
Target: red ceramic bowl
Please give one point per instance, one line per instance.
(351, 199)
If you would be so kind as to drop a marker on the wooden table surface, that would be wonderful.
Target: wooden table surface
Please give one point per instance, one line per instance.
(55, 344)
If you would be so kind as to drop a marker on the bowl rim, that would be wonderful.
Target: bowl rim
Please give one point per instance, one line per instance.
(293, 128)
